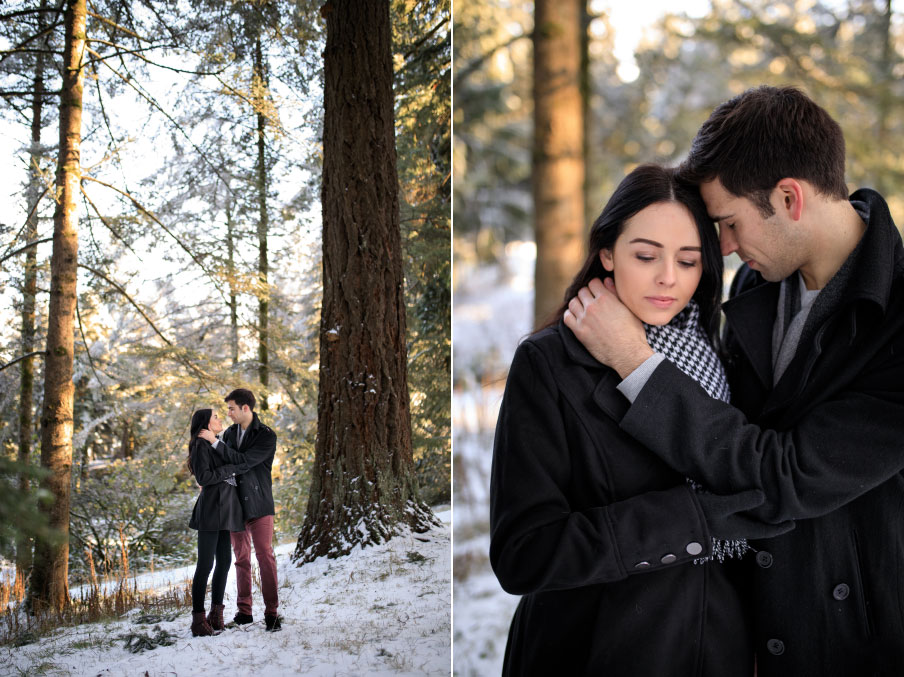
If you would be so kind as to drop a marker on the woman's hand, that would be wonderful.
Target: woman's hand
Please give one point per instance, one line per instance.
(609, 331)
(207, 435)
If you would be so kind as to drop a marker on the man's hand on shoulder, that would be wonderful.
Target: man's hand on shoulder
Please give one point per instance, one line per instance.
(609, 331)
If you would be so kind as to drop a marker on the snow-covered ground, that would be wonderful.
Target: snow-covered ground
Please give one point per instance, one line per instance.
(381, 610)
(492, 312)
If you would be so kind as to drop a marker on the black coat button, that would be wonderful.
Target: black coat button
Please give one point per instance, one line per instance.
(841, 591)
(776, 647)
(764, 559)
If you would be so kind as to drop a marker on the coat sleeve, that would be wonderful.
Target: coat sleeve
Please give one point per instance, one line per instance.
(207, 471)
(537, 541)
(260, 451)
(837, 451)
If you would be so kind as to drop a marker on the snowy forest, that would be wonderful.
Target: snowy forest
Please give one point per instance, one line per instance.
(180, 217)
(548, 118)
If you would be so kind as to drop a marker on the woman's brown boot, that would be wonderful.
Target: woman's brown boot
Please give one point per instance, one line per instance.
(199, 625)
(215, 617)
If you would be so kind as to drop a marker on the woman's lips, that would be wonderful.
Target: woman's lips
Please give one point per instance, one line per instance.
(661, 301)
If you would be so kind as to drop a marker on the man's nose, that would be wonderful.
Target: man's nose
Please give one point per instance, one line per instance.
(727, 241)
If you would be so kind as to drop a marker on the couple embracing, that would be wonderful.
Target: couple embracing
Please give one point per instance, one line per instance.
(235, 508)
(670, 499)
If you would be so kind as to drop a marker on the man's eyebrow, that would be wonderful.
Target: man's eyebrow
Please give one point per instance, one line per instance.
(657, 244)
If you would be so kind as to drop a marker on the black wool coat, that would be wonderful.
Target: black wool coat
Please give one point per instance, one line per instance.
(826, 445)
(257, 450)
(218, 506)
(597, 533)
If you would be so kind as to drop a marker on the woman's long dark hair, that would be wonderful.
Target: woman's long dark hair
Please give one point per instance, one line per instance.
(646, 185)
(199, 420)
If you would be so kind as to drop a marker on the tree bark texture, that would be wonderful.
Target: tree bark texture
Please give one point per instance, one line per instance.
(263, 226)
(233, 296)
(558, 162)
(363, 486)
(50, 574)
(24, 545)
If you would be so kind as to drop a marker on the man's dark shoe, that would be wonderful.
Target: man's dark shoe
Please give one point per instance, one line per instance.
(242, 619)
(273, 622)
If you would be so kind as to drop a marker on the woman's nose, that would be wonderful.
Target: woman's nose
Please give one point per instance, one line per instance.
(666, 277)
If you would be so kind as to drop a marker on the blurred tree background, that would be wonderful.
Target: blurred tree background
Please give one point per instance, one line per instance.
(199, 254)
(848, 55)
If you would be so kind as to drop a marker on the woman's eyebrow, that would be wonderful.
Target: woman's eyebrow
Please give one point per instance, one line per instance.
(657, 244)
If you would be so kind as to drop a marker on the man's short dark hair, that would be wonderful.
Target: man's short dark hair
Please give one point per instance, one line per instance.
(764, 135)
(241, 396)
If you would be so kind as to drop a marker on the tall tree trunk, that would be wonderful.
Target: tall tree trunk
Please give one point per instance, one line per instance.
(263, 304)
(24, 543)
(233, 297)
(363, 486)
(50, 585)
(558, 163)
(884, 84)
(586, 84)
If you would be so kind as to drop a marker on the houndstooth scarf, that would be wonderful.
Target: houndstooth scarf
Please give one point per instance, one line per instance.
(684, 342)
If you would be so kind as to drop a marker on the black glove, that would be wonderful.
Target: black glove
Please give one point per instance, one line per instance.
(724, 521)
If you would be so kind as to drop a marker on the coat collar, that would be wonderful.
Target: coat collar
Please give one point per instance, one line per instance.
(751, 313)
(605, 394)
(233, 430)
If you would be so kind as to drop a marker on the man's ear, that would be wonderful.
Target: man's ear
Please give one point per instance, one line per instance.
(606, 259)
(791, 194)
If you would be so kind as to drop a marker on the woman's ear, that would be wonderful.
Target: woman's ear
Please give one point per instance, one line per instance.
(606, 259)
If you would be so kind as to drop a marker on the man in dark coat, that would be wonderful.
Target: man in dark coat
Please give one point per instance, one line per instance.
(251, 442)
(814, 350)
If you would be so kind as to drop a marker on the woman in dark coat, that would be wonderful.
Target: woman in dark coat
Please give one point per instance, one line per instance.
(625, 567)
(217, 512)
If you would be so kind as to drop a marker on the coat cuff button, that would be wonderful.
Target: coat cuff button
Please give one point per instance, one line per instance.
(668, 559)
(776, 647)
(694, 548)
(641, 565)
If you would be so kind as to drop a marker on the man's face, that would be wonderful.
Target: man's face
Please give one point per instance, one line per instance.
(768, 245)
(240, 415)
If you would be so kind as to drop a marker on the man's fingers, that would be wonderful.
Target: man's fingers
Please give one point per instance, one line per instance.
(609, 284)
(586, 296)
(596, 287)
(569, 319)
(576, 308)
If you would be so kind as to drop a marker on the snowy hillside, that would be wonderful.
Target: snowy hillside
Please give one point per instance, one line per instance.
(381, 610)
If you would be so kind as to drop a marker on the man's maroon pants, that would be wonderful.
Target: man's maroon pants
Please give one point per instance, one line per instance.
(260, 532)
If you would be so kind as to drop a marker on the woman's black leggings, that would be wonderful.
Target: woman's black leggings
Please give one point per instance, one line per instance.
(211, 544)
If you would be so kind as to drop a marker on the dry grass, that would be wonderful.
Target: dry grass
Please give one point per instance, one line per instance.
(96, 602)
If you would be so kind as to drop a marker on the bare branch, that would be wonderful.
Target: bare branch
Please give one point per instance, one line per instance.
(465, 72)
(22, 357)
(147, 213)
(109, 225)
(179, 358)
(30, 39)
(117, 26)
(131, 83)
(21, 249)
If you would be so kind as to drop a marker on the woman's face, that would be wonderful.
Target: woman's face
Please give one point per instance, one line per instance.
(656, 262)
(216, 425)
